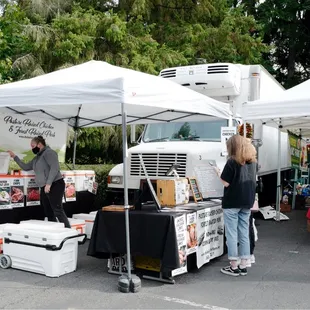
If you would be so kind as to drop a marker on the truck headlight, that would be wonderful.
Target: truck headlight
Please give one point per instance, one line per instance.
(116, 180)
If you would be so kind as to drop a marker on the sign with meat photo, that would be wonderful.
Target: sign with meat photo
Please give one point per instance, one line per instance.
(5, 191)
(17, 193)
(32, 190)
(70, 191)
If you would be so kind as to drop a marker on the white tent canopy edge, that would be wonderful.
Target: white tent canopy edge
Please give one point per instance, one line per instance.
(90, 94)
(99, 94)
(288, 111)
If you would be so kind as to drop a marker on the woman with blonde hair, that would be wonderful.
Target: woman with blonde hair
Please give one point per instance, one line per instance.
(239, 179)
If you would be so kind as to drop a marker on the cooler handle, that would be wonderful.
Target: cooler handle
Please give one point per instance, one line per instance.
(48, 247)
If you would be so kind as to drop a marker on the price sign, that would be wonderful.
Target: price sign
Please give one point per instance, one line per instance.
(226, 133)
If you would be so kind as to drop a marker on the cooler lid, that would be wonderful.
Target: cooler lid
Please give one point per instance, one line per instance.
(92, 172)
(39, 232)
(84, 216)
(76, 221)
(31, 223)
(2, 228)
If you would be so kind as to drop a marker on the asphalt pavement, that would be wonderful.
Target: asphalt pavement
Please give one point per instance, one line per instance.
(279, 280)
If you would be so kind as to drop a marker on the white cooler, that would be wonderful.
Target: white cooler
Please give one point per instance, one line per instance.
(78, 225)
(89, 221)
(37, 224)
(82, 177)
(40, 251)
(1, 236)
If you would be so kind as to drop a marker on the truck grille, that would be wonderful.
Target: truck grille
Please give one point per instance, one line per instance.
(157, 164)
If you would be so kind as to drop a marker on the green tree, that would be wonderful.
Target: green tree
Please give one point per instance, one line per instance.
(287, 28)
(13, 41)
(145, 35)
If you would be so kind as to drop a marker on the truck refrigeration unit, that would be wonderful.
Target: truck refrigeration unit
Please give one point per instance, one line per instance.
(161, 145)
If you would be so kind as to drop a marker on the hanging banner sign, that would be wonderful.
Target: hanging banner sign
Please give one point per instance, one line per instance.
(180, 227)
(304, 156)
(226, 133)
(17, 131)
(210, 232)
(295, 147)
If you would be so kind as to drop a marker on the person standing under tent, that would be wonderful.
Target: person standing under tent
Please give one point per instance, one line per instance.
(48, 177)
(239, 180)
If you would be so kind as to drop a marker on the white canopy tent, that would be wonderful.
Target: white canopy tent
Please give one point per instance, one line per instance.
(89, 95)
(287, 111)
(98, 94)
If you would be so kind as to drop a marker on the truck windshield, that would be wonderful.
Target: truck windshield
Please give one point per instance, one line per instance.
(204, 131)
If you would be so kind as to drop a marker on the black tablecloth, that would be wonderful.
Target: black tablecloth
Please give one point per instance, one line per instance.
(84, 204)
(152, 234)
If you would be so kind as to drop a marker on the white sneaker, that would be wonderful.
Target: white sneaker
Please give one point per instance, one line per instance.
(248, 263)
(252, 259)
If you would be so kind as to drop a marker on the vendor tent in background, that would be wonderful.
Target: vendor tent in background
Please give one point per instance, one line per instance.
(287, 111)
(99, 94)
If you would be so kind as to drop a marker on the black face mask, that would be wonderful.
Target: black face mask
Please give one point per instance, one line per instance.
(36, 150)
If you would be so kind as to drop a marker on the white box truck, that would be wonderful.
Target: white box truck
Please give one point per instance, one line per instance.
(189, 143)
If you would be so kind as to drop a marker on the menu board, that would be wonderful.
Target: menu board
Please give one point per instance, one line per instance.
(209, 182)
(195, 189)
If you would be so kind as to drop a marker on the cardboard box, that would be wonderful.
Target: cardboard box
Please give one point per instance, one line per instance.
(285, 208)
(173, 192)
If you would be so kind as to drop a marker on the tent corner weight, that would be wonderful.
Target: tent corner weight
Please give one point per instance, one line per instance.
(125, 285)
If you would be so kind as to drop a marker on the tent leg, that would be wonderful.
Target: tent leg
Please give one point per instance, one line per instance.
(294, 189)
(125, 173)
(279, 175)
(74, 146)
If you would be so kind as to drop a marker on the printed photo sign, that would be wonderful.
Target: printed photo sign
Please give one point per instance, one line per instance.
(210, 233)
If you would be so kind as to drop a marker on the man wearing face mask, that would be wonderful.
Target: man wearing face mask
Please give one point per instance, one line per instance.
(48, 177)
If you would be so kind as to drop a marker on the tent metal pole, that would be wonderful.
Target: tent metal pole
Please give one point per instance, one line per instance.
(126, 202)
(74, 146)
(279, 174)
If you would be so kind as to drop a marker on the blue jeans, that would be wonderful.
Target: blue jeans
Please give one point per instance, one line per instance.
(236, 223)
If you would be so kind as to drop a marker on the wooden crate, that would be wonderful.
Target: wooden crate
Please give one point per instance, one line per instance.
(168, 192)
